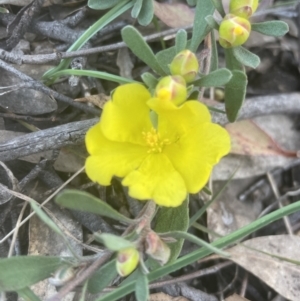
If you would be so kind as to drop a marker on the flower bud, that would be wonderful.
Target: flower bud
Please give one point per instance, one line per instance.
(185, 63)
(157, 248)
(171, 88)
(127, 261)
(243, 8)
(234, 31)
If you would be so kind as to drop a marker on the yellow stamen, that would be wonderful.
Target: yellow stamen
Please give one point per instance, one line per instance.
(154, 142)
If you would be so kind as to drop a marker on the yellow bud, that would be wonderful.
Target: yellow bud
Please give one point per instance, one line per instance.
(171, 89)
(157, 248)
(185, 63)
(243, 8)
(127, 261)
(234, 31)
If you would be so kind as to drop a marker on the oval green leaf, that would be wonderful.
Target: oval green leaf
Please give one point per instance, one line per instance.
(83, 201)
(141, 287)
(235, 92)
(102, 4)
(113, 242)
(20, 272)
(103, 277)
(216, 78)
(180, 40)
(271, 28)
(246, 57)
(136, 43)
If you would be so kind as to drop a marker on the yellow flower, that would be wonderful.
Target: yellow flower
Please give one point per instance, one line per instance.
(163, 162)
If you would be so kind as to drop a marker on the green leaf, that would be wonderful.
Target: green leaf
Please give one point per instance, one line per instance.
(231, 62)
(196, 240)
(219, 7)
(147, 12)
(235, 92)
(200, 27)
(83, 201)
(192, 2)
(28, 295)
(136, 43)
(180, 40)
(149, 79)
(173, 219)
(214, 62)
(113, 242)
(141, 287)
(96, 74)
(210, 20)
(246, 57)
(165, 57)
(216, 78)
(136, 8)
(271, 28)
(103, 277)
(102, 4)
(203, 252)
(19, 272)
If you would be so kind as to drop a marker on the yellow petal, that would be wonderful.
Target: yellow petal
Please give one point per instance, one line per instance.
(172, 124)
(126, 116)
(156, 179)
(110, 158)
(196, 152)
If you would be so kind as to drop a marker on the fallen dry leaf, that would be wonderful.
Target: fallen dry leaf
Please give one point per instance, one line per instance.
(282, 275)
(247, 138)
(175, 15)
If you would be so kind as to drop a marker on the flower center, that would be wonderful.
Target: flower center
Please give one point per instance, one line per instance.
(154, 141)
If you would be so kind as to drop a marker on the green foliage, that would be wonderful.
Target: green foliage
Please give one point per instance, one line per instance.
(113, 242)
(219, 7)
(173, 219)
(180, 40)
(196, 240)
(216, 78)
(136, 43)
(235, 92)
(165, 57)
(210, 20)
(102, 4)
(116, 11)
(150, 80)
(83, 201)
(141, 287)
(271, 28)
(102, 277)
(204, 8)
(17, 273)
(146, 13)
(201, 253)
(246, 57)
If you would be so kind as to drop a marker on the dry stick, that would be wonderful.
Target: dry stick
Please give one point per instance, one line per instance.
(33, 84)
(73, 133)
(53, 57)
(277, 196)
